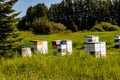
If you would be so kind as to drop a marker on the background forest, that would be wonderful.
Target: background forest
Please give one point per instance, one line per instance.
(76, 15)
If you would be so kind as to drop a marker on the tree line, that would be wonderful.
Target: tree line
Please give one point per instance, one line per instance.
(76, 15)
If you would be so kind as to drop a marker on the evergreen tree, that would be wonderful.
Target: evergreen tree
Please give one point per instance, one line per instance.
(9, 36)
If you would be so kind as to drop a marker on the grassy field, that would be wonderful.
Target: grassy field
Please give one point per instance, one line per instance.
(78, 66)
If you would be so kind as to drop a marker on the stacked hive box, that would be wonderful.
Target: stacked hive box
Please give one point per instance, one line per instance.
(56, 46)
(117, 41)
(39, 45)
(94, 47)
(26, 52)
(62, 46)
(92, 39)
(103, 49)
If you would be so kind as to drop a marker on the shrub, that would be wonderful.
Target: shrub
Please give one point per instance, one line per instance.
(44, 26)
(97, 28)
(105, 26)
(114, 28)
(58, 27)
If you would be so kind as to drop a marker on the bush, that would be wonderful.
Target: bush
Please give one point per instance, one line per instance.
(44, 26)
(114, 28)
(58, 27)
(97, 28)
(105, 26)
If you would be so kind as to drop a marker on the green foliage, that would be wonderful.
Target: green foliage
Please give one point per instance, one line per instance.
(24, 25)
(41, 26)
(36, 21)
(58, 27)
(97, 28)
(114, 28)
(76, 15)
(40, 10)
(9, 36)
(85, 12)
(33, 13)
(105, 26)
(74, 27)
(44, 26)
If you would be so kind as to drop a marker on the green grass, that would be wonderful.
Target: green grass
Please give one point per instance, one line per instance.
(74, 67)
(78, 66)
(77, 39)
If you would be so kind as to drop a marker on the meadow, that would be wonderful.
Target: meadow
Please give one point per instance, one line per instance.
(77, 66)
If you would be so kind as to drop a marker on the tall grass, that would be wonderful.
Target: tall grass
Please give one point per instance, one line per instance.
(50, 67)
(77, 66)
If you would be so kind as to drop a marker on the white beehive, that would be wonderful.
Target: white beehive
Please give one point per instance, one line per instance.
(63, 49)
(62, 46)
(92, 48)
(39, 45)
(91, 39)
(103, 49)
(69, 47)
(87, 48)
(26, 52)
(97, 49)
(117, 37)
(68, 44)
(117, 41)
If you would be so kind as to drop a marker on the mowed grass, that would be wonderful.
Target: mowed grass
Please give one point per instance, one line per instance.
(77, 66)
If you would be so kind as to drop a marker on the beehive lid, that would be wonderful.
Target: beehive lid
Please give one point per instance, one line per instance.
(54, 42)
(37, 40)
(91, 43)
(117, 37)
(90, 36)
